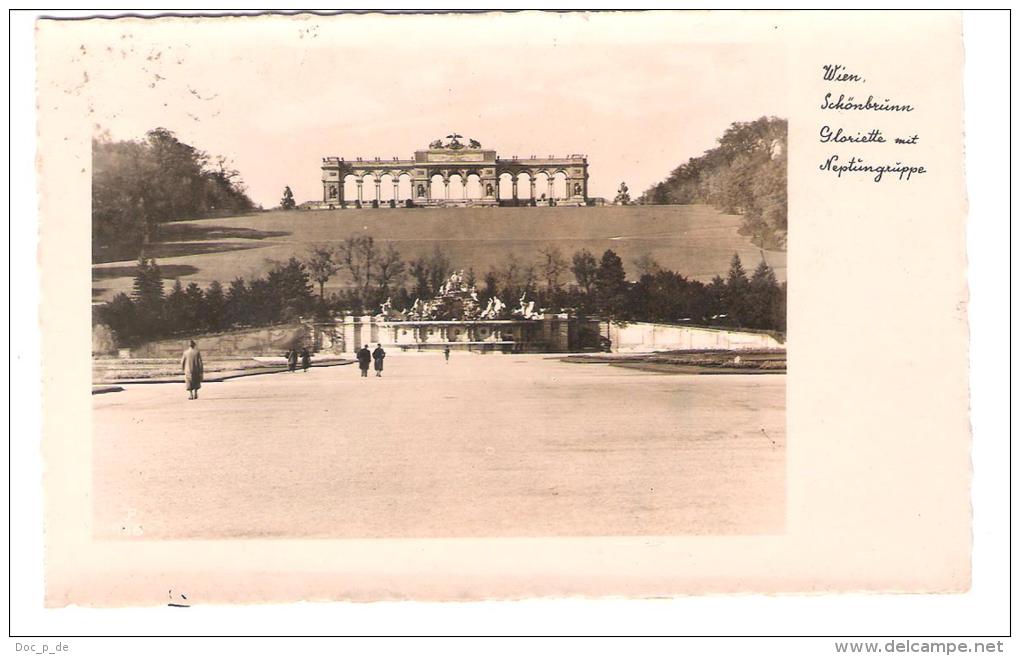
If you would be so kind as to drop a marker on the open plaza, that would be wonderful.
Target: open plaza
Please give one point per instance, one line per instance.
(484, 445)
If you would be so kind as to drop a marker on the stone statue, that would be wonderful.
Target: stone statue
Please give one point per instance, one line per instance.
(488, 189)
(421, 191)
(474, 144)
(438, 143)
(386, 308)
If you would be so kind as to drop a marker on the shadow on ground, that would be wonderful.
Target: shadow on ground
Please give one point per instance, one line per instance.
(182, 239)
(166, 270)
(192, 232)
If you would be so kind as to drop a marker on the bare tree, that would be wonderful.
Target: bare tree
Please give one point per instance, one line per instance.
(646, 265)
(439, 268)
(584, 267)
(358, 255)
(553, 265)
(321, 266)
(389, 269)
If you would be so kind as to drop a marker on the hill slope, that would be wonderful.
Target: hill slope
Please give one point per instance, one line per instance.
(695, 240)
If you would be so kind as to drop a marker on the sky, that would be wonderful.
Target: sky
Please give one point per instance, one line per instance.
(637, 93)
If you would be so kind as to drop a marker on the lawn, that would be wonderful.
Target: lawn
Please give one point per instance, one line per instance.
(695, 240)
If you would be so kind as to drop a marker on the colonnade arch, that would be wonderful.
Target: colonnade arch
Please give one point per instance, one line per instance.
(453, 171)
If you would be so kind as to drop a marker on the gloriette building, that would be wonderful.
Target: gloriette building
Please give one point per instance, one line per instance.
(453, 173)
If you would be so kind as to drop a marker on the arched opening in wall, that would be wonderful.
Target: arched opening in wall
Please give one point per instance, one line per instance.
(368, 189)
(474, 186)
(404, 188)
(560, 185)
(350, 189)
(506, 183)
(386, 192)
(438, 189)
(523, 186)
(542, 187)
(456, 187)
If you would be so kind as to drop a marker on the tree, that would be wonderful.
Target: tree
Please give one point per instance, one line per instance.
(288, 291)
(321, 267)
(762, 297)
(215, 306)
(429, 273)
(439, 267)
(610, 284)
(389, 271)
(194, 308)
(490, 286)
(174, 309)
(646, 265)
(735, 296)
(584, 267)
(139, 185)
(148, 297)
(120, 315)
(287, 202)
(745, 174)
(622, 195)
(358, 255)
(553, 265)
(238, 308)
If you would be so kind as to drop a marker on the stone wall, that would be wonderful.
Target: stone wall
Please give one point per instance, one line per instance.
(553, 333)
(273, 340)
(645, 337)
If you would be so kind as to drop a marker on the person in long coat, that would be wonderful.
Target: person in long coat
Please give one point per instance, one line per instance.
(292, 360)
(306, 359)
(378, 354)
(191, 363)
(364, 357)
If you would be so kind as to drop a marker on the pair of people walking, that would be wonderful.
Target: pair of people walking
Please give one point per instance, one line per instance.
(365, 357)
(292, 359)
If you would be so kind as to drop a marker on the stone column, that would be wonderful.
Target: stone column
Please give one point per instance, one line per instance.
(515, 187)
(378, 190)
(396, 190)
(531, 183)
(550, 194)
(446, 188)
(360, 184)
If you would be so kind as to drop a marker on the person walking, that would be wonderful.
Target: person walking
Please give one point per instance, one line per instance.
(306, 359)
(364, 357)
(378, 354)
(292, 360)
(191, 364)
(446, 353)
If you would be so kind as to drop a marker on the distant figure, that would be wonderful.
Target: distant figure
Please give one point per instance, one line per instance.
(364, 357)
(378, 354)
(306, 359)
(191, 363)
(292, 360)
(446, 353)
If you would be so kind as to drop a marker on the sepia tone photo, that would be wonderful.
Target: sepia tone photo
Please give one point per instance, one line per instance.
(497, 305)
(351, 320)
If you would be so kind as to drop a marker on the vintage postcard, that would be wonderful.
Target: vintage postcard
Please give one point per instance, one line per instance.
(502, 305)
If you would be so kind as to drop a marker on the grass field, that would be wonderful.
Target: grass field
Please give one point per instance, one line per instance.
(695, 240)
